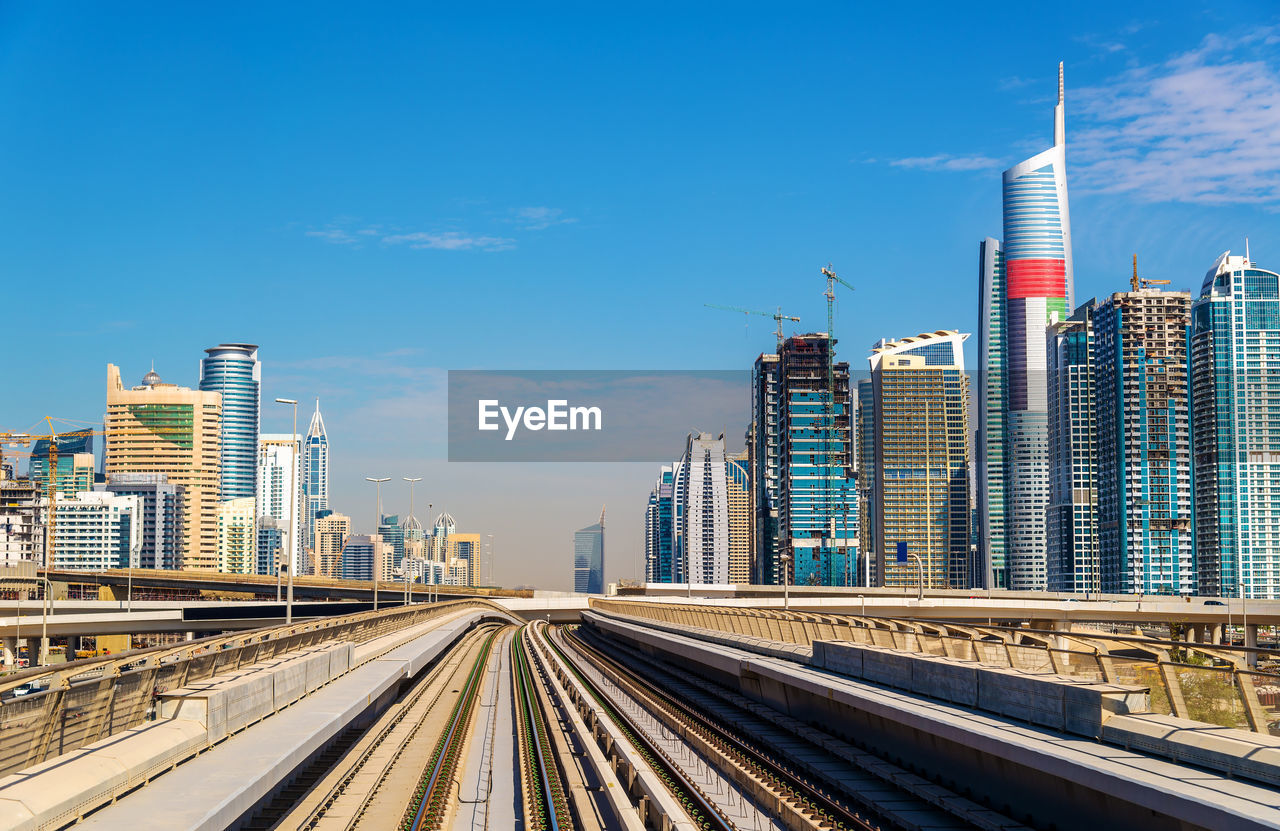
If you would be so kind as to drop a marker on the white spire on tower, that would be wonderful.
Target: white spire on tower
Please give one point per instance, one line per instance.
(1059, 116)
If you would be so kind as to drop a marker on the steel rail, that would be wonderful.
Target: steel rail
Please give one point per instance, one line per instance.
(553, 807)
(702, 811)
(427, 807)
(803, 794)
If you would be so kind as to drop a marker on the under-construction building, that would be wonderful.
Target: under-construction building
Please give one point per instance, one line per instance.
(1144, 457)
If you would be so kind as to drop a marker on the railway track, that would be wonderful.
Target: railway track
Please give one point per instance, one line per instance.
(702, 811)
(429, 806)
(803, 795)
(546, 807)
(883, 792)
(366, 786)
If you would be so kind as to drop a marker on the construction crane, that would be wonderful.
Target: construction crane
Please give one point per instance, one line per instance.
(778, 316)
(832, 278)
(1140, 283)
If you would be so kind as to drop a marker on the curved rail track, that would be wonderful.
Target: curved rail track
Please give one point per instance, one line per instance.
(804, 796)
(702, 811)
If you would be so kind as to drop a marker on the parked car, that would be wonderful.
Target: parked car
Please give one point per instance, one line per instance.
(1214, 603)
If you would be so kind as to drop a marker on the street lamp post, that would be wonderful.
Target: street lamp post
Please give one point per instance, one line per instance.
(786, 581)
(297, 452)
(376, 524)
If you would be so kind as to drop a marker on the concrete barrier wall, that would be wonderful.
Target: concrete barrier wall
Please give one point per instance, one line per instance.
(1059, 702)
(228, 704)
(94, 773)
(1242, 753)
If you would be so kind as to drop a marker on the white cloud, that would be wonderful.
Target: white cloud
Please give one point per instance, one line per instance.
(945, 161)
(541, 217)
(1202, 127)
(337, 236)
(449, 241)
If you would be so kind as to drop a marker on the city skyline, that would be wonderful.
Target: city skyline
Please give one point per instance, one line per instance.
(546, 238)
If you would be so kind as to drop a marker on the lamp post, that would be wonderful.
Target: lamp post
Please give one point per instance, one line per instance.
(377, 522)
(412, 480)
(786, 581)
(297, 452)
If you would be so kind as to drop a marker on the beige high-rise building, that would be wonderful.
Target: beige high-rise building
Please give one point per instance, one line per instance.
(237, 536)
(741, 523)
(331, 537)
(920, 486)
(163, 428)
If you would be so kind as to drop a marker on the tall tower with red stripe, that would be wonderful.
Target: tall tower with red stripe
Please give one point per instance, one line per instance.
(1026, 279)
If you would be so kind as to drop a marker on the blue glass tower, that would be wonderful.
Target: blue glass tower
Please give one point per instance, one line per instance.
(1235, 429)
(233, 369)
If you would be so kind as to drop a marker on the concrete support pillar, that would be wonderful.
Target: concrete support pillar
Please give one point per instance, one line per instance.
(1215, 633)
(1251, 639)
(73, 646)
(191, 636)
(44, 651)
(1192, 635)
(9, 652)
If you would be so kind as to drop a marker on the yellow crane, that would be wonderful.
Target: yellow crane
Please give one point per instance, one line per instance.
(777, 316)
(1140, 283)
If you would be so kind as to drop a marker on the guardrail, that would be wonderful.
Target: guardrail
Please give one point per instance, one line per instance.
(82, 702)
(1204, 683)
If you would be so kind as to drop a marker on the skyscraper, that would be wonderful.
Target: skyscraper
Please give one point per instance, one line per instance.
(702, 510)
(1235, 429)
(816, 496)
(660, 563)
(233, 370)
(866, 458)
(763, 449)
(1023, 283)
(160, 510)
(1144, 462)
(315, 476)
(1073, 561)
(163, 428)
(279, 495)
(588, 558)
(921, 485)
(738, 488)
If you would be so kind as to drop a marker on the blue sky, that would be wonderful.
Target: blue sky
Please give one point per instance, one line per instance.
(380, 193)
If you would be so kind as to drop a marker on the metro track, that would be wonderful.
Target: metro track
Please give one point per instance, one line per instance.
(546, 807)
(359, 789)
(801, 799)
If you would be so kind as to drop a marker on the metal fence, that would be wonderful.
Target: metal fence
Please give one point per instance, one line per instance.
(1205, 683)
(81, 702)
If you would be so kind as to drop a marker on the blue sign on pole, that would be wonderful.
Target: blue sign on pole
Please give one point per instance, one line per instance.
(902, 552)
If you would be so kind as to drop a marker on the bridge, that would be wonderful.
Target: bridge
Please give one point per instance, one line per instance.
(658, 712)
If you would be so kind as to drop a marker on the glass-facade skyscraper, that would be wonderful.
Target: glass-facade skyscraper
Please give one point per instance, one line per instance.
(1235, 429)
(233, 369)
(817, 499)
(1025, 280)
(588, 558)
(660, 563)
(1073, 457)
(315, 477)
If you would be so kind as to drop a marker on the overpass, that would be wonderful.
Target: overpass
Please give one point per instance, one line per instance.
(647, 713)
